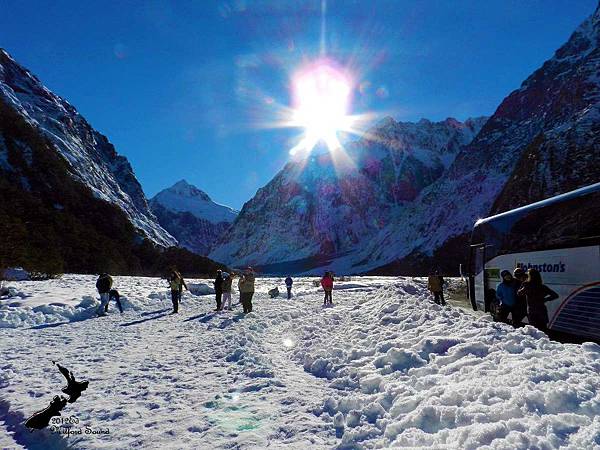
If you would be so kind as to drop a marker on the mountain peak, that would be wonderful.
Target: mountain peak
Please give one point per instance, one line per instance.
(386, 122)
(185, 197)
(182, 183)
(185, 189)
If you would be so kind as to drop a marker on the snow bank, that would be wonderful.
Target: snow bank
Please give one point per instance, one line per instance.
(15, 274)
(200, 289)
(74, 297)
(407, 376)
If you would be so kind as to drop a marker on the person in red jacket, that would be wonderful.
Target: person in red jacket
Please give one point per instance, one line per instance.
(327, 283)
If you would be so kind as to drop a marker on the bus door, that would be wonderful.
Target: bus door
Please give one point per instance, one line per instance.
(478, 277)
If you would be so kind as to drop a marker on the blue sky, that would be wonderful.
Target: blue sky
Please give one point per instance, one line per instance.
(183, 89)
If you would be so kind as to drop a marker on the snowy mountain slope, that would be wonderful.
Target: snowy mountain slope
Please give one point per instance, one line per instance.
(184, 197)
(383, 368)
(191, 216)
(542, 140)
(328, 205)
(91, 157)
(566, 154)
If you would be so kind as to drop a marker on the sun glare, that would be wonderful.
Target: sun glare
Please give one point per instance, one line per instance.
(321, 96)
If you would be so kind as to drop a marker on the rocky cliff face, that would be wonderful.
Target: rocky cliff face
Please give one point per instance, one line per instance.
(565, 152)
(91, 158)
(191, 216)
(331, 204)
(68, 201)
(542, 140)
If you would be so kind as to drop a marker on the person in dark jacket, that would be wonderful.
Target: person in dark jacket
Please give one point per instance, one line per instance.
(103, 284)
(537, 294)
(218, 283)
(288, 284)
(520, 310)
(506, 293)
(246, 287)
(113, 294)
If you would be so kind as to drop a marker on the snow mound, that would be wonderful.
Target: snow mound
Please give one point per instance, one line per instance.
(74, 298)
(15, 274)
(408, 373)
(200, 289)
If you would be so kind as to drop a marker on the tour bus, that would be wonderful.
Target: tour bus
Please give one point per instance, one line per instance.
(560, 237)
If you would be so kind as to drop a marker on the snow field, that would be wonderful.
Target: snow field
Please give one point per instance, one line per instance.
(73, 297)
(384, 367)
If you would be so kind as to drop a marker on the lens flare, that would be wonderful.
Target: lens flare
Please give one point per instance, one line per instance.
(321, 95)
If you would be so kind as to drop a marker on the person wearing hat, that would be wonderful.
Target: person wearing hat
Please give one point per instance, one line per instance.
(246, 287)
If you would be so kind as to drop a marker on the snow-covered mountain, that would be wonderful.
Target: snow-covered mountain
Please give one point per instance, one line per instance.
(564, 103)
(68, 201)
(91, 158)
(416, 190)
(332, 204)
(542, 140)
(191, 216)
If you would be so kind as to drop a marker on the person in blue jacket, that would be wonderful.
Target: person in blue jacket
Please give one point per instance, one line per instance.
(288, 284)
(506, 292)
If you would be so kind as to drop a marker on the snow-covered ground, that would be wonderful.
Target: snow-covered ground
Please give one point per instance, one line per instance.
(384, 367)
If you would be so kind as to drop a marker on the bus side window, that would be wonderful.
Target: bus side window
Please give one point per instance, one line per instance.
(479, 259)
(589, 224)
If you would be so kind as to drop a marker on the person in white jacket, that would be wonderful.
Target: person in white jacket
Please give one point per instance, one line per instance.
(226, 291)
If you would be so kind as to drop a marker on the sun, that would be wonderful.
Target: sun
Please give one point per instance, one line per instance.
(321, 95)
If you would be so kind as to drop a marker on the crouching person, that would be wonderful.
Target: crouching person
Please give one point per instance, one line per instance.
(114, 295)
(103, 284)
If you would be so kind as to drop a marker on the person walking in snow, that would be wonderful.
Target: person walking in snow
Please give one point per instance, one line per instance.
(537, 294)
(246, 287)
(327, 284)
(435, 283)
(176, 283)
(506, 293)
(103, 284)
(218, 283)
(227, 281)
(288, 284)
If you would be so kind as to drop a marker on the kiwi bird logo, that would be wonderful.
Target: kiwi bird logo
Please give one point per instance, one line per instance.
(41, 419)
